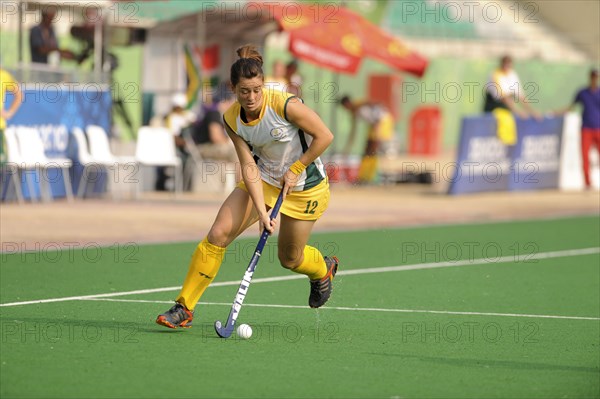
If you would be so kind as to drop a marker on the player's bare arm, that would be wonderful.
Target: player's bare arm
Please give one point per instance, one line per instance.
(251, 176)
(307, 120)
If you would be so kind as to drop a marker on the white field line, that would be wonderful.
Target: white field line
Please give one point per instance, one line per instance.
(449, 312)
(419, 266)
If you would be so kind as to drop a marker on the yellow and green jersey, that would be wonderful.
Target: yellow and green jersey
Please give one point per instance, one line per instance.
(275, 142)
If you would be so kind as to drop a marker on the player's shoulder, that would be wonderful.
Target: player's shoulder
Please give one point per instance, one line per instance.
(278, 100)
(582, 93)
(230, 116)
(498, 74)
(275, 96)
(512, 74)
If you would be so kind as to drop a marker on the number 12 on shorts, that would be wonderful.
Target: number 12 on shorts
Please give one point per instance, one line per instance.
(311, 206)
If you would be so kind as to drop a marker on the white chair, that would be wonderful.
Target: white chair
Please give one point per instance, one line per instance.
(14, 163)
(100, 147)
(86, 160)
(156, 147)
(100, 151)
(196, 164)
(33, 157)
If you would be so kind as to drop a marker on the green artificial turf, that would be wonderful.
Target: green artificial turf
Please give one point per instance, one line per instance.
(388, 334)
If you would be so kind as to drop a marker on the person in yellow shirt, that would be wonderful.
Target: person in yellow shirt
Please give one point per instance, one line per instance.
(278, 141)
(8, 84)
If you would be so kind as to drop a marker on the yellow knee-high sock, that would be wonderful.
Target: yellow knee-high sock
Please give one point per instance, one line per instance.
(368, 168)
(313, 265)
(204, 266)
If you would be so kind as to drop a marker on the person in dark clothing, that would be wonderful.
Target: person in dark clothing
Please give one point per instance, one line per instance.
(209, 133)
(42, 39)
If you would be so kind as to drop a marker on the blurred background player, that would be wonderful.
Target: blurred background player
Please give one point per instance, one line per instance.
(379, 136)
(278, 141)
(589, 98)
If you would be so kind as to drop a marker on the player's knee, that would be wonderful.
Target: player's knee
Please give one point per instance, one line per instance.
(288, 260)
(219, 236)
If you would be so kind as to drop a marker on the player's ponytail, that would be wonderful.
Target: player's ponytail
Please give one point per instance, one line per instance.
(248, 66)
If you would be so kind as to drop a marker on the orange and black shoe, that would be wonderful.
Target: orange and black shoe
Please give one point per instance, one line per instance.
(320, 290)
(177, 316)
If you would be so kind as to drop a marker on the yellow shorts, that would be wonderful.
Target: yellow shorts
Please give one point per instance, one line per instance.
(302, 205)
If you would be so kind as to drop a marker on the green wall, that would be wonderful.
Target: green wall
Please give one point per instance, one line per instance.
(128, 86)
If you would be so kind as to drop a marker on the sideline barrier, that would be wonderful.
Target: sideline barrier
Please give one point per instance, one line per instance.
(571, 172)
(485, 164)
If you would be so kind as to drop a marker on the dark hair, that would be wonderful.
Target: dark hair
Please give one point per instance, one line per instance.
(344, 100)
(248, 66)
(223, 93)
(505, 59)
(48, 8)
(292, 64)
(593, 72)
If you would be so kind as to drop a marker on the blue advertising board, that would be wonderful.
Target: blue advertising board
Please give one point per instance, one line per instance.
(485, 163)
(54, 110)
(536, 156)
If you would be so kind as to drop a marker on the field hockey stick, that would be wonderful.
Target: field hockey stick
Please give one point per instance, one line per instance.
(226, 330)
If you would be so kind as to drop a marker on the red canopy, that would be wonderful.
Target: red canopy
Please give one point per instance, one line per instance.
(338, 38)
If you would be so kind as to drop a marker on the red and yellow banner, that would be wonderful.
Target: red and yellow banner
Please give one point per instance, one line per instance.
(338, 38)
